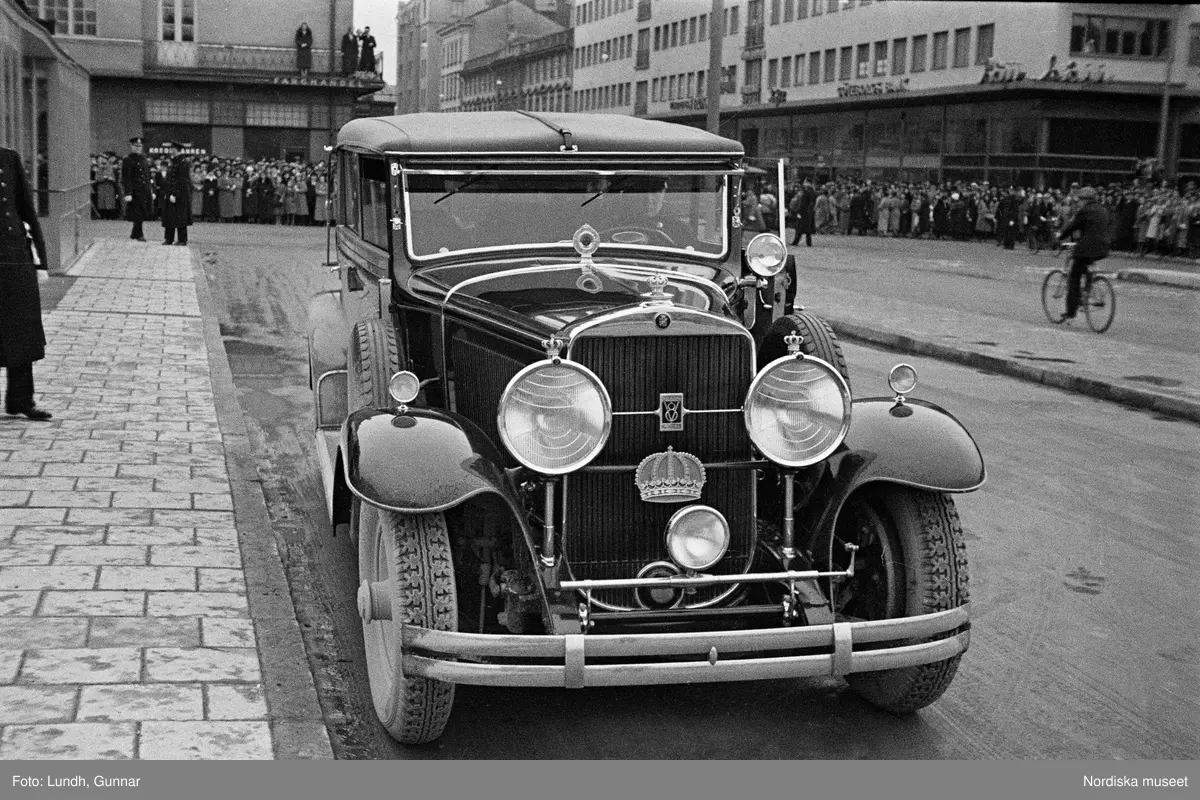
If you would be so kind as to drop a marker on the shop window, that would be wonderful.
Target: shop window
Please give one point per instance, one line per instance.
(1121, 137)
(1133, 37)
(962, 47)
(941, 42)
(966, 135)
(277, 115)
(919, 54)
(193, 111)
(985, 40)
(899, 56)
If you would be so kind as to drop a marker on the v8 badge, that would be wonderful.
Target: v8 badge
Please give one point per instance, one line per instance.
(670, 411)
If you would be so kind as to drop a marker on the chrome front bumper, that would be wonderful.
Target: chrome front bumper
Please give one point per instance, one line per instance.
(447, 656)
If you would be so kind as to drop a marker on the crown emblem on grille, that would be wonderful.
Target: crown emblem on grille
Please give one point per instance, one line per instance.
(670, 477)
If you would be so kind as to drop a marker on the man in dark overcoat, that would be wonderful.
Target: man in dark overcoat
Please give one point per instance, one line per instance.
(22, 339)
(135, 186)
(804, 209)
(177, 212)
(366, 54)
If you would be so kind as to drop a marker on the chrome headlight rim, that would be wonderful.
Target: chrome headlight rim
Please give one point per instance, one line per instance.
(605, 400)
(836, 442)
(674, 522)
(756, 243)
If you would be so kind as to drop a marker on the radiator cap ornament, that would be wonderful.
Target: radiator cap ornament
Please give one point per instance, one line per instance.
(670, 477)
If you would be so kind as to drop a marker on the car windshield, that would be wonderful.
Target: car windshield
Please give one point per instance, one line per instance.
(479, 211)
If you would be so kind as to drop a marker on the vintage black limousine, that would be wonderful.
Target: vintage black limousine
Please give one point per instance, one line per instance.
(582, 435)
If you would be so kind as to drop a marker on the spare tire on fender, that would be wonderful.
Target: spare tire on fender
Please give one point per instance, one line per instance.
(817, 339)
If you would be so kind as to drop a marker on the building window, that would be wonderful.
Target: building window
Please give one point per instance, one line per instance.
(941, 42)
(830, 66)
(816, 7)
(754, 74)
(731, 21)
(1194, 46)
(831, 6)
(674, 34)
(178, 20)
(788, 14)
(845, 63)
(798, 77)
(985, 41)
(277, 115)
(919, 57)
(703, 27)
(692, 30)
(773, 73)
(785, 71)
(775, 11)
(962, 47)
(899, 56)
(71, 17)
(881, 57)
(814, 68)
(1135, 37)
(862, 62)
(801, 9)
(193, 112)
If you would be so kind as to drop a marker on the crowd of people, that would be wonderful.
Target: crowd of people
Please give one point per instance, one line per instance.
(267, 191)
(1147, 217)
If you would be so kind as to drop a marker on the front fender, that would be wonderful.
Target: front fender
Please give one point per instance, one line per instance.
(420, 461)
(328, 334)
(914, 443)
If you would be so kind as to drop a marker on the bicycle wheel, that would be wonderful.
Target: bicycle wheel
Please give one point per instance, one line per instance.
(1054, 296)
(1100, 304)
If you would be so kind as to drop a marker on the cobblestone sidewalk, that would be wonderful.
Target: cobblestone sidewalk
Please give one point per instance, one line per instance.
(125, 626)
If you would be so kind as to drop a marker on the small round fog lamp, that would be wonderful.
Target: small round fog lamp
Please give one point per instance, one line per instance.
(404, 387)
(697, 537)
(902, 379)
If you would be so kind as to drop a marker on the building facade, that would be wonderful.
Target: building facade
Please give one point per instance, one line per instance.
(533, 75)
(1023, 93)
(221, 76)
(42, 90)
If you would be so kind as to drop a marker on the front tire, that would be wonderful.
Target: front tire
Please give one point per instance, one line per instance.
(817, 339)
(911, 560)
(410, 554)
(1054, 296)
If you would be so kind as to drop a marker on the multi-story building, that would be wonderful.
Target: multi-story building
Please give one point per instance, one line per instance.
(220, 76)
(425, 79)
(534, 75)
(41, 91)
(1006, 92)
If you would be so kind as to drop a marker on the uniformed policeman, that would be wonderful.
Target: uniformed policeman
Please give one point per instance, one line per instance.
(177, 211)
(135, 185)
(22, 340)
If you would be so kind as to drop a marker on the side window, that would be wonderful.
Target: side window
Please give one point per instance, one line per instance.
(349, 191)
(374, 201)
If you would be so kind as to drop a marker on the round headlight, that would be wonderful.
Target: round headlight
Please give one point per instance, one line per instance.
(798, 410)
(765, 254)
(697, 537)
(555, 416)
(902, 379)
(404, 387)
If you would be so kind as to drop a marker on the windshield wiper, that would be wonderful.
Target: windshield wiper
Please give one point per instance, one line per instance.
(474, 180)
(611, 186)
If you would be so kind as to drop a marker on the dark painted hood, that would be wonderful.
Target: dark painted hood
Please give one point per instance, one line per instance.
(548, 293)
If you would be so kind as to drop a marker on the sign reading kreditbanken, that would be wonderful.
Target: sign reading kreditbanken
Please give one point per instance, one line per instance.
(1072, 72)
(866, 89)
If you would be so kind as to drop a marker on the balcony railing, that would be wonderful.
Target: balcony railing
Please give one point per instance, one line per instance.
(643, 10)
(228, 59)
(643, 59)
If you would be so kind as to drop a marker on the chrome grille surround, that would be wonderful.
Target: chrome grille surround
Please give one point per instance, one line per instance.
(608, 531)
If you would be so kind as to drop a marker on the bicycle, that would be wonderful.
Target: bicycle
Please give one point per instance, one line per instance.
(1098, 299)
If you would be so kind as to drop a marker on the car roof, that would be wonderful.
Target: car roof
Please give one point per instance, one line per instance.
(520, 132)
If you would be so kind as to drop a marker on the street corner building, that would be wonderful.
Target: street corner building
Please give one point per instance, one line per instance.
(227, 79)
(1012, 93)
(44, 92)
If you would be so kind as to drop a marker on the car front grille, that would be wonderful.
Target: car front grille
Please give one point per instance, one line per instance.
(609, 531)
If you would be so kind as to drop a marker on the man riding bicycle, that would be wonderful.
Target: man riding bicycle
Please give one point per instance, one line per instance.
(1091, 220)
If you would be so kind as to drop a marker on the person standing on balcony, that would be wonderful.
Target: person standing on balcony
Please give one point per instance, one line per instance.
(177, 212)
(349, 52)
(304, 43)
(135, 186)
(366, 59)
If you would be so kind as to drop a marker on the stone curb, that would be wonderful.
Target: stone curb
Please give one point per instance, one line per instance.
(1160, 277)
(1079, 383)
(297, 722)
